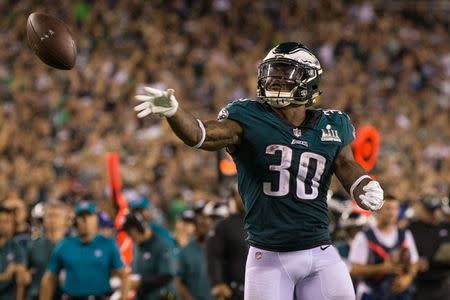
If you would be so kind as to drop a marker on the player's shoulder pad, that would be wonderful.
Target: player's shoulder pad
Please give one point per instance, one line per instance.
(235, 106)
(336, 117)
(343, 124)
(334, 114)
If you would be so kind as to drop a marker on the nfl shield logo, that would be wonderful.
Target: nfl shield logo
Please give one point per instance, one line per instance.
(297, 132)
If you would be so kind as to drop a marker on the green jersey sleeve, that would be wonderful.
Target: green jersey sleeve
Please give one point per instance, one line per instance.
(237, 110)
(341, 121)
(348, 131)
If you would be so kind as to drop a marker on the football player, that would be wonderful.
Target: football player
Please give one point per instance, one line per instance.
(285, 156)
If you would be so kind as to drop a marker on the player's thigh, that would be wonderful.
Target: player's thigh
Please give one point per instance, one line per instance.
(329, 280)
(265, 278)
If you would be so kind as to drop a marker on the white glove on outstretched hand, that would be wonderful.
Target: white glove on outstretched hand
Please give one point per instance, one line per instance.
(373, 198)
(155, 101)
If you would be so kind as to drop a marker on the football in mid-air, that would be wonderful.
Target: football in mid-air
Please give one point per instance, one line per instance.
(51, 40)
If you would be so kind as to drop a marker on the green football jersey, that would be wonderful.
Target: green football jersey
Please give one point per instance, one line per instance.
(284, 173)
(38, 255)
(10, 252)
(152, 258)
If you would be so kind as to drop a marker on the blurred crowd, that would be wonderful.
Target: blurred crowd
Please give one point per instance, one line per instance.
(385, 63)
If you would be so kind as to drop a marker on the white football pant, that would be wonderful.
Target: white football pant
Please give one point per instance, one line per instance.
(312, 274)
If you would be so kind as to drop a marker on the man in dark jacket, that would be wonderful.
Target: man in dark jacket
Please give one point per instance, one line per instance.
(227, 253)
(430, 234)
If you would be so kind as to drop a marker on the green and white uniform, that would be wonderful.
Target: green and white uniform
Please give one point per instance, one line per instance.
(284, 173)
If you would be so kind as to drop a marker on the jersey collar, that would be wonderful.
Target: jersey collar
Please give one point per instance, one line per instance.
(312, 117)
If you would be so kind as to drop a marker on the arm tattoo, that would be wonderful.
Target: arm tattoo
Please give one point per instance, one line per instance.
(185, 126)
(219, 134)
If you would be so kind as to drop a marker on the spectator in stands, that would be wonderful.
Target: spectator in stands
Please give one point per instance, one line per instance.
(22, 232)
(89, 260)
(153, 261)
(105, 225)
(12, 259)
(430, 234)
(193, 279)
(56, 216)
(384, 257)
(207, 213)
(227, 253)
(143, 206)
(184, 230)
(351, 222)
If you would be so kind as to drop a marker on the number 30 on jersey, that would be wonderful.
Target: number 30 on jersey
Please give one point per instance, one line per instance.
(303, 191)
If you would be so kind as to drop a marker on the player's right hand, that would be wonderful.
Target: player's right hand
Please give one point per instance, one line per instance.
(155, 101)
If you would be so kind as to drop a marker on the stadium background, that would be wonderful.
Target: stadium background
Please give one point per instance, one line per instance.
(386, 63)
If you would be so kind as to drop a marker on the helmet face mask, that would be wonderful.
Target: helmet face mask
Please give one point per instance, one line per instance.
(289, 74)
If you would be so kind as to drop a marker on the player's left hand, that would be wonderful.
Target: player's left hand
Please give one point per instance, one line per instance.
(373, 197)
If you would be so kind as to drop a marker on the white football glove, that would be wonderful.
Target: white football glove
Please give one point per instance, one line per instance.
(373, 197)
(155, 101)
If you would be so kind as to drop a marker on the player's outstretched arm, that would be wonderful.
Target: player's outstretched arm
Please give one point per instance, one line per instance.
(210, 135)
(213, 136)
(367, 192)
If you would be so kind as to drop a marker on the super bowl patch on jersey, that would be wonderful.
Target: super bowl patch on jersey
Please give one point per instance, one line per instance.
(223, 114)
(330, 135)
